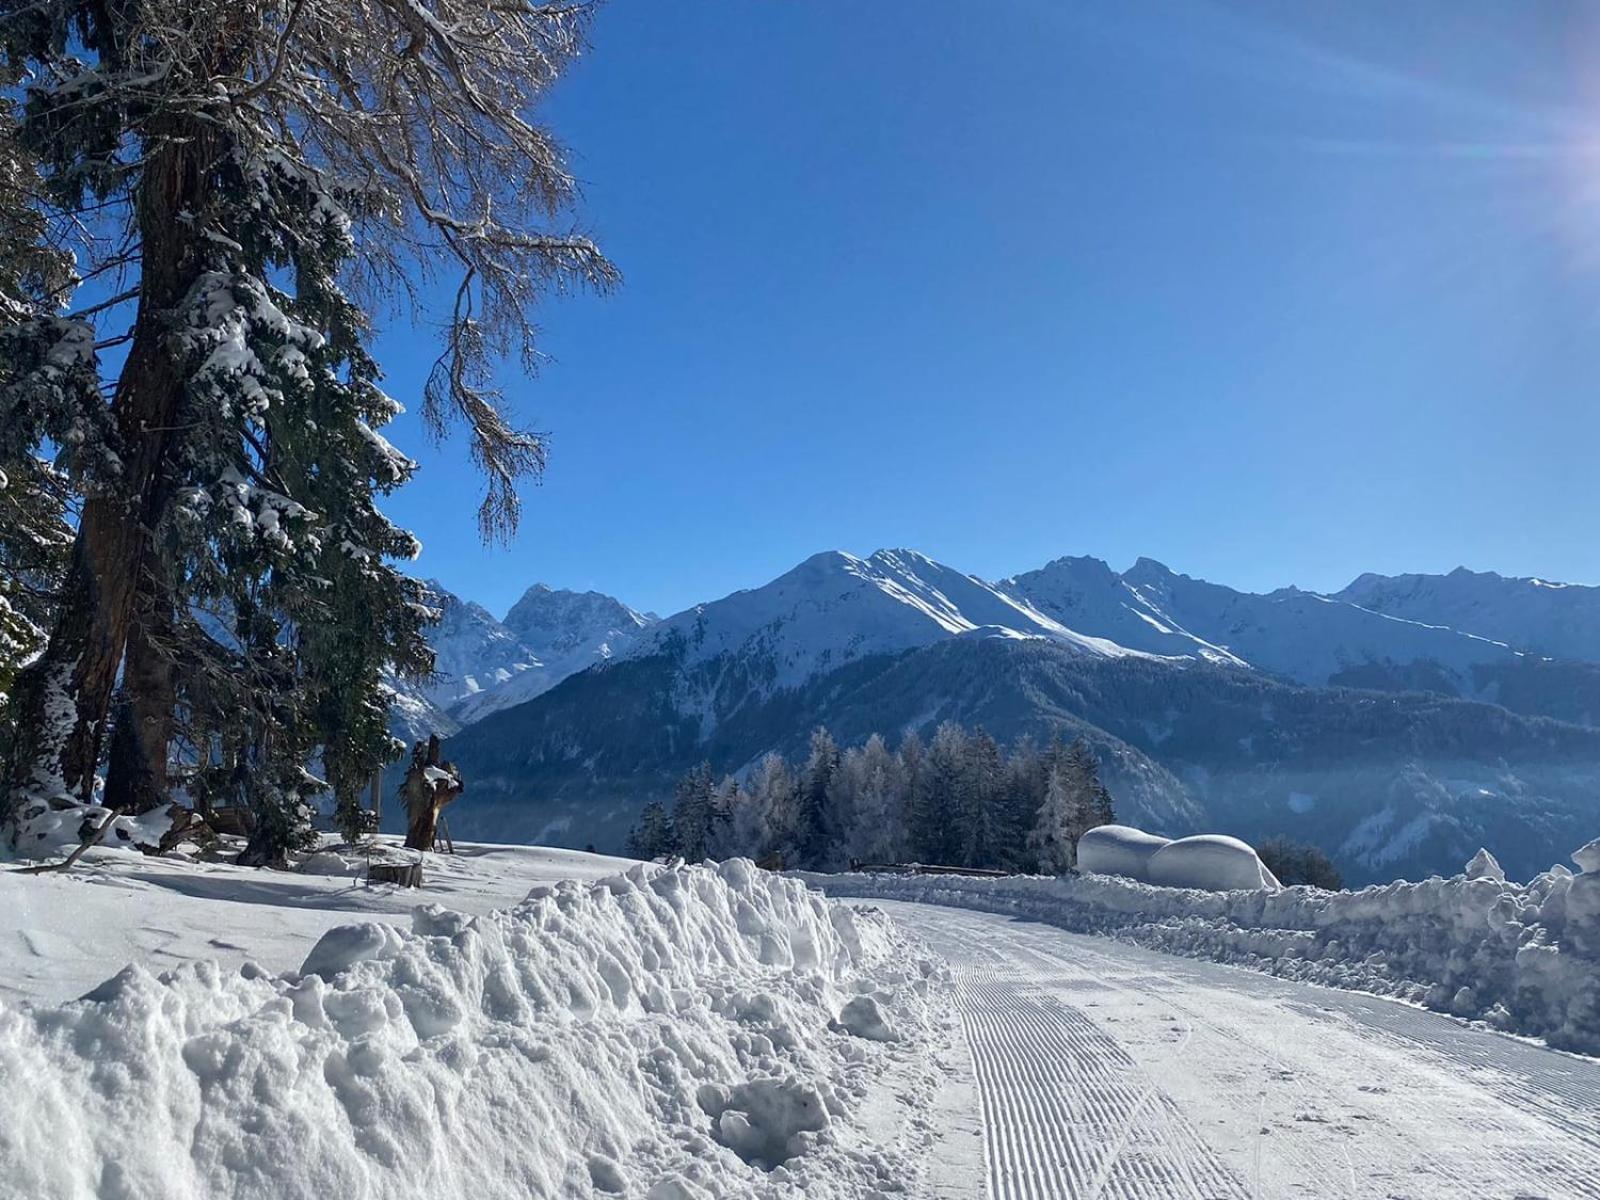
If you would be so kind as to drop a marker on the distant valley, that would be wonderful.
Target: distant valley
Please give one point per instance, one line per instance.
(1398, 723)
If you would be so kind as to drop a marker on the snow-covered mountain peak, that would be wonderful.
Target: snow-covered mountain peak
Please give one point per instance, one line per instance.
(835, 608)
(557, 619)
(1150, 571)
(1560, 620)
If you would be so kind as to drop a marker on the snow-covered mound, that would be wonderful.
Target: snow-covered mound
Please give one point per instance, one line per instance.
(1118, 850)
(1211, 861)
(1522, 957)
(670, 1033)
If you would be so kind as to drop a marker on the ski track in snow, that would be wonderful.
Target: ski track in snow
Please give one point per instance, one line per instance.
(1109, 1072)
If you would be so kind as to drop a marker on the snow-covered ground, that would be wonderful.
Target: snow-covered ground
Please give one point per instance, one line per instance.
(668, 1033)
(544, 1023)
(1522, 957)
(1107, 1070)
(66, 933)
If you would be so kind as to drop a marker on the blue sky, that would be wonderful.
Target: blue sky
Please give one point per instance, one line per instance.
(1274, 293)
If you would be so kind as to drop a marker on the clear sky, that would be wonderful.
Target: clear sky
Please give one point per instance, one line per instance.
(1275, 293)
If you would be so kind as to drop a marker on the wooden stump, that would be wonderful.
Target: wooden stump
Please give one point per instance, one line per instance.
(429, 785)
(400, 874)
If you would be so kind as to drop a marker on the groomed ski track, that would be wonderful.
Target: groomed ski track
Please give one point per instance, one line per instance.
(1103, 1070)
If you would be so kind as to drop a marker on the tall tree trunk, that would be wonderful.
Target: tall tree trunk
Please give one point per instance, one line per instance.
(136, 777)
(63, 699)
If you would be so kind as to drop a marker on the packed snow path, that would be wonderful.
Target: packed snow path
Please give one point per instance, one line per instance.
(1106, 1070)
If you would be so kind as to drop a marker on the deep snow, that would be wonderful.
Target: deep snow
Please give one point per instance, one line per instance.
(1524, 958)
(672, 1033)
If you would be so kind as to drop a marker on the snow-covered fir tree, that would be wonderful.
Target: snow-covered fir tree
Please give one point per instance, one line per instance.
(1050, 841)
(1018, 810)
(234, 184)
(653, 837)
(696, 820)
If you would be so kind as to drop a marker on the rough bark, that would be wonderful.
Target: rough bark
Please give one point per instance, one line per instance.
(137, 776)
(429, 785)
(113, 545)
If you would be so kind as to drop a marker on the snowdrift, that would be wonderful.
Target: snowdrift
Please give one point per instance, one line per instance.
(1210, 861)
(671, 1033)
(1522, 957)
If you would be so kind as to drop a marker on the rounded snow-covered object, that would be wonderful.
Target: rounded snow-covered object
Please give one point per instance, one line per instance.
(1118, 850)
(1210, 861)
(1588, 858)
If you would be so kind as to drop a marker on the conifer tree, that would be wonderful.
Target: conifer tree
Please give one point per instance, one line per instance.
(774, 797)
(978, 803)
(1050, 842)
(695, 818)
(874, 785)
(736, 828)
(653, 837)
(934, 829)
(815, 832)
(216, 164)
(1088, 801)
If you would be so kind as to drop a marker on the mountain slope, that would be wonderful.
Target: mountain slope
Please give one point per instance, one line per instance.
(576, 765)
(1285, 713)
(473, 652)
(568, 632)
(484, 664)
(1392, 783)
(1297, 635)
(835, 608)
(1558, 620)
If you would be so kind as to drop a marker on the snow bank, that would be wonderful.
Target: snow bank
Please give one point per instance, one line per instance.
(681, 1032)
(1522, 957)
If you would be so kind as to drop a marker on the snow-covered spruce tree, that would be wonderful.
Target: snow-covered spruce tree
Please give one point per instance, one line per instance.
(815, 830)
(654, 836)
(154, 122)
(48, 398)
(305, 564)
(695, 818)
(978, 803)
(1050, 842)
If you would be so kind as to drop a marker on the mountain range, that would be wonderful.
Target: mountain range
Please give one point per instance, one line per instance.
(1399, 723)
